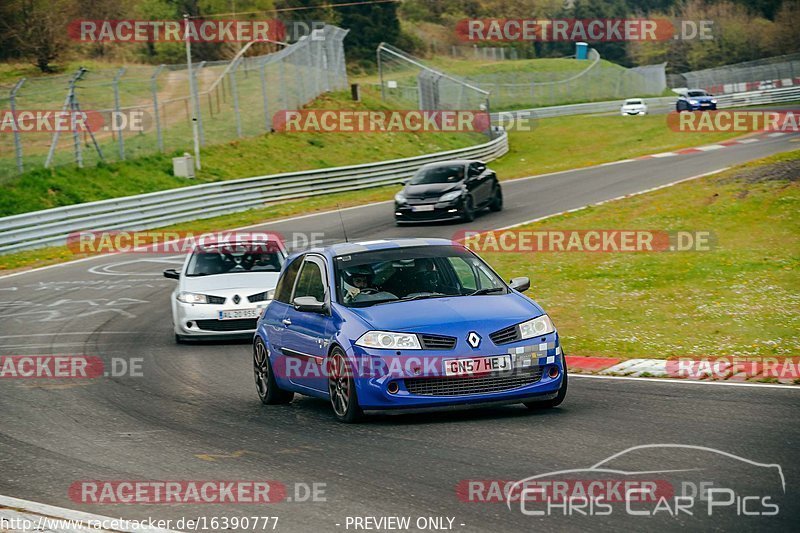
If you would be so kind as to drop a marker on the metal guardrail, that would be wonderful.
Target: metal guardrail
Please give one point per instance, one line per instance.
(666, 103)
(51, 227)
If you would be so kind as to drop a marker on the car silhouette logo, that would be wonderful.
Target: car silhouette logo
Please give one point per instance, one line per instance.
(474, 339)
(236, 299)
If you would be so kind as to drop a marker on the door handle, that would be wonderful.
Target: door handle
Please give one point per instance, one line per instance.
(287, 322)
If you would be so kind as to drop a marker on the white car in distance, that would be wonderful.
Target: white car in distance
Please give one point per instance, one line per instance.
(633, 106)
(223, 288)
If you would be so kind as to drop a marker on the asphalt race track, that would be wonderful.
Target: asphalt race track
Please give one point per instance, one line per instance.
(194, 413)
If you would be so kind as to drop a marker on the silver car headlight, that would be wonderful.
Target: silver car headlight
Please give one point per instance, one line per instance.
(450, 196)
(400, 198)
(192, 298)
(389, 340)
(541, 325)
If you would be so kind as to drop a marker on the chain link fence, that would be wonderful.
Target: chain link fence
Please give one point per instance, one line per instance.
(762, 74)
(404, 78)
(234, 99)
(407, 83)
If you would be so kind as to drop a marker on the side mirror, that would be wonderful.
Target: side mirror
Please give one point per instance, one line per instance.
(271, 294)
(171, 273)
(405, 181)
(308, 304)
(520, 284)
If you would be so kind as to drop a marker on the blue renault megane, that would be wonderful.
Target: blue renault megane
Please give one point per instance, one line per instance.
(404, 325)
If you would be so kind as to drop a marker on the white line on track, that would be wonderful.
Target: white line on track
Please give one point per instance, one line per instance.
(531, 221)
(691, 382)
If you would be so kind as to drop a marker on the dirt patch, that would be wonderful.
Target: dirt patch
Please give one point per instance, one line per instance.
(780, 171)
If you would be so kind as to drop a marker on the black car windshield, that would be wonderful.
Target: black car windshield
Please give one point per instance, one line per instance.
(698, 93)
(412, 273)
(438, 174)
(235, 259)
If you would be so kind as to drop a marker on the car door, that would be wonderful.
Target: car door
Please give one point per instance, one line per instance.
(481, 184)
(306, 334)
(276, 310)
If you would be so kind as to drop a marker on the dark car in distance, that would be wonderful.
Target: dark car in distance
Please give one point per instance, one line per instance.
(696, 100)
(448, 190)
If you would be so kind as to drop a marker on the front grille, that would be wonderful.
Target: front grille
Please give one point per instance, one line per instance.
(505, 335)
(437, 342)
(460, 386)
(228, 325)
(260, 297)
(219, 300)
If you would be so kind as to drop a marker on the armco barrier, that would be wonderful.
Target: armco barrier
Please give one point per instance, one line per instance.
(666, 103)
(146, 211)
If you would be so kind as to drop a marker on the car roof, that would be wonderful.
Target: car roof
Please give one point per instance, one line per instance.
(344, 248)
(451, 162)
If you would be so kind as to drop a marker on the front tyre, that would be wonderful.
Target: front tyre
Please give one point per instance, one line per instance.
(497, 200)
(268, 391)
(468, 211)
(342, 388)
(555, 402)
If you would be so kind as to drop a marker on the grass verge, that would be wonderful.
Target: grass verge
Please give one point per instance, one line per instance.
(740, 299)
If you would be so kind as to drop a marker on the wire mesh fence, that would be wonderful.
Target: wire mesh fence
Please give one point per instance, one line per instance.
(404, 78)
(762, 74)
(144, 110)
(407, 83)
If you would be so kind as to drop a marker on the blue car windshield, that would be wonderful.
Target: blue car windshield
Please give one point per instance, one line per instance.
(412, 273)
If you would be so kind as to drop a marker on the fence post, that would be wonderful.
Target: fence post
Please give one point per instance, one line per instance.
(197, 107)
(154, 90)
(380, 73)
(67, 105)
(17, 142)
(263, 74)
(235, 93)
(120, 137)
(282, 82)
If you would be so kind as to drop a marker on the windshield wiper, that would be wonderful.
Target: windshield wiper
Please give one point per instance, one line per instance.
(487, 290)
(425, 296)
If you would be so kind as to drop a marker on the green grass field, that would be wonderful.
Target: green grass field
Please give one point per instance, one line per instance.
(740, 299)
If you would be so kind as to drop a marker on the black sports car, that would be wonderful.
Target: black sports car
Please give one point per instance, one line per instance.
(448, 190)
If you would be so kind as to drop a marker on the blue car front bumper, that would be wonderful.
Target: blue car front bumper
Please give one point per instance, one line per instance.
(416, 381)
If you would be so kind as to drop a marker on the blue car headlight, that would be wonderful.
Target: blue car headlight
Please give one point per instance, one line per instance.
(388, 340)
(694, 102)
(713, 100)
(541, 325)
(450, 196)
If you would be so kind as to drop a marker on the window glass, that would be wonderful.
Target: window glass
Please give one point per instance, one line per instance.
(310, 282)
(283, 291)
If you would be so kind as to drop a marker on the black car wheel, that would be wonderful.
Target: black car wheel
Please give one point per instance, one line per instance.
(267, 388)
(342, 388)
(468, 211)
(555, 402)
(497, 201)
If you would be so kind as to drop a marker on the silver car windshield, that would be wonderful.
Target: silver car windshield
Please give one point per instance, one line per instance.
(235, 259)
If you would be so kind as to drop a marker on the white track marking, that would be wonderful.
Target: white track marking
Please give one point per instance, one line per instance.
(531, 221)
(70, 333)
(710, 147)
(676, 381)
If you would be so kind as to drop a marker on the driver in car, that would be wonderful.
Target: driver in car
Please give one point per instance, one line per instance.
(359, 279)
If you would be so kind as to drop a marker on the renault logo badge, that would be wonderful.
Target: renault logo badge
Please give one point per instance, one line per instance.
(236, 299)
(474, 339)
